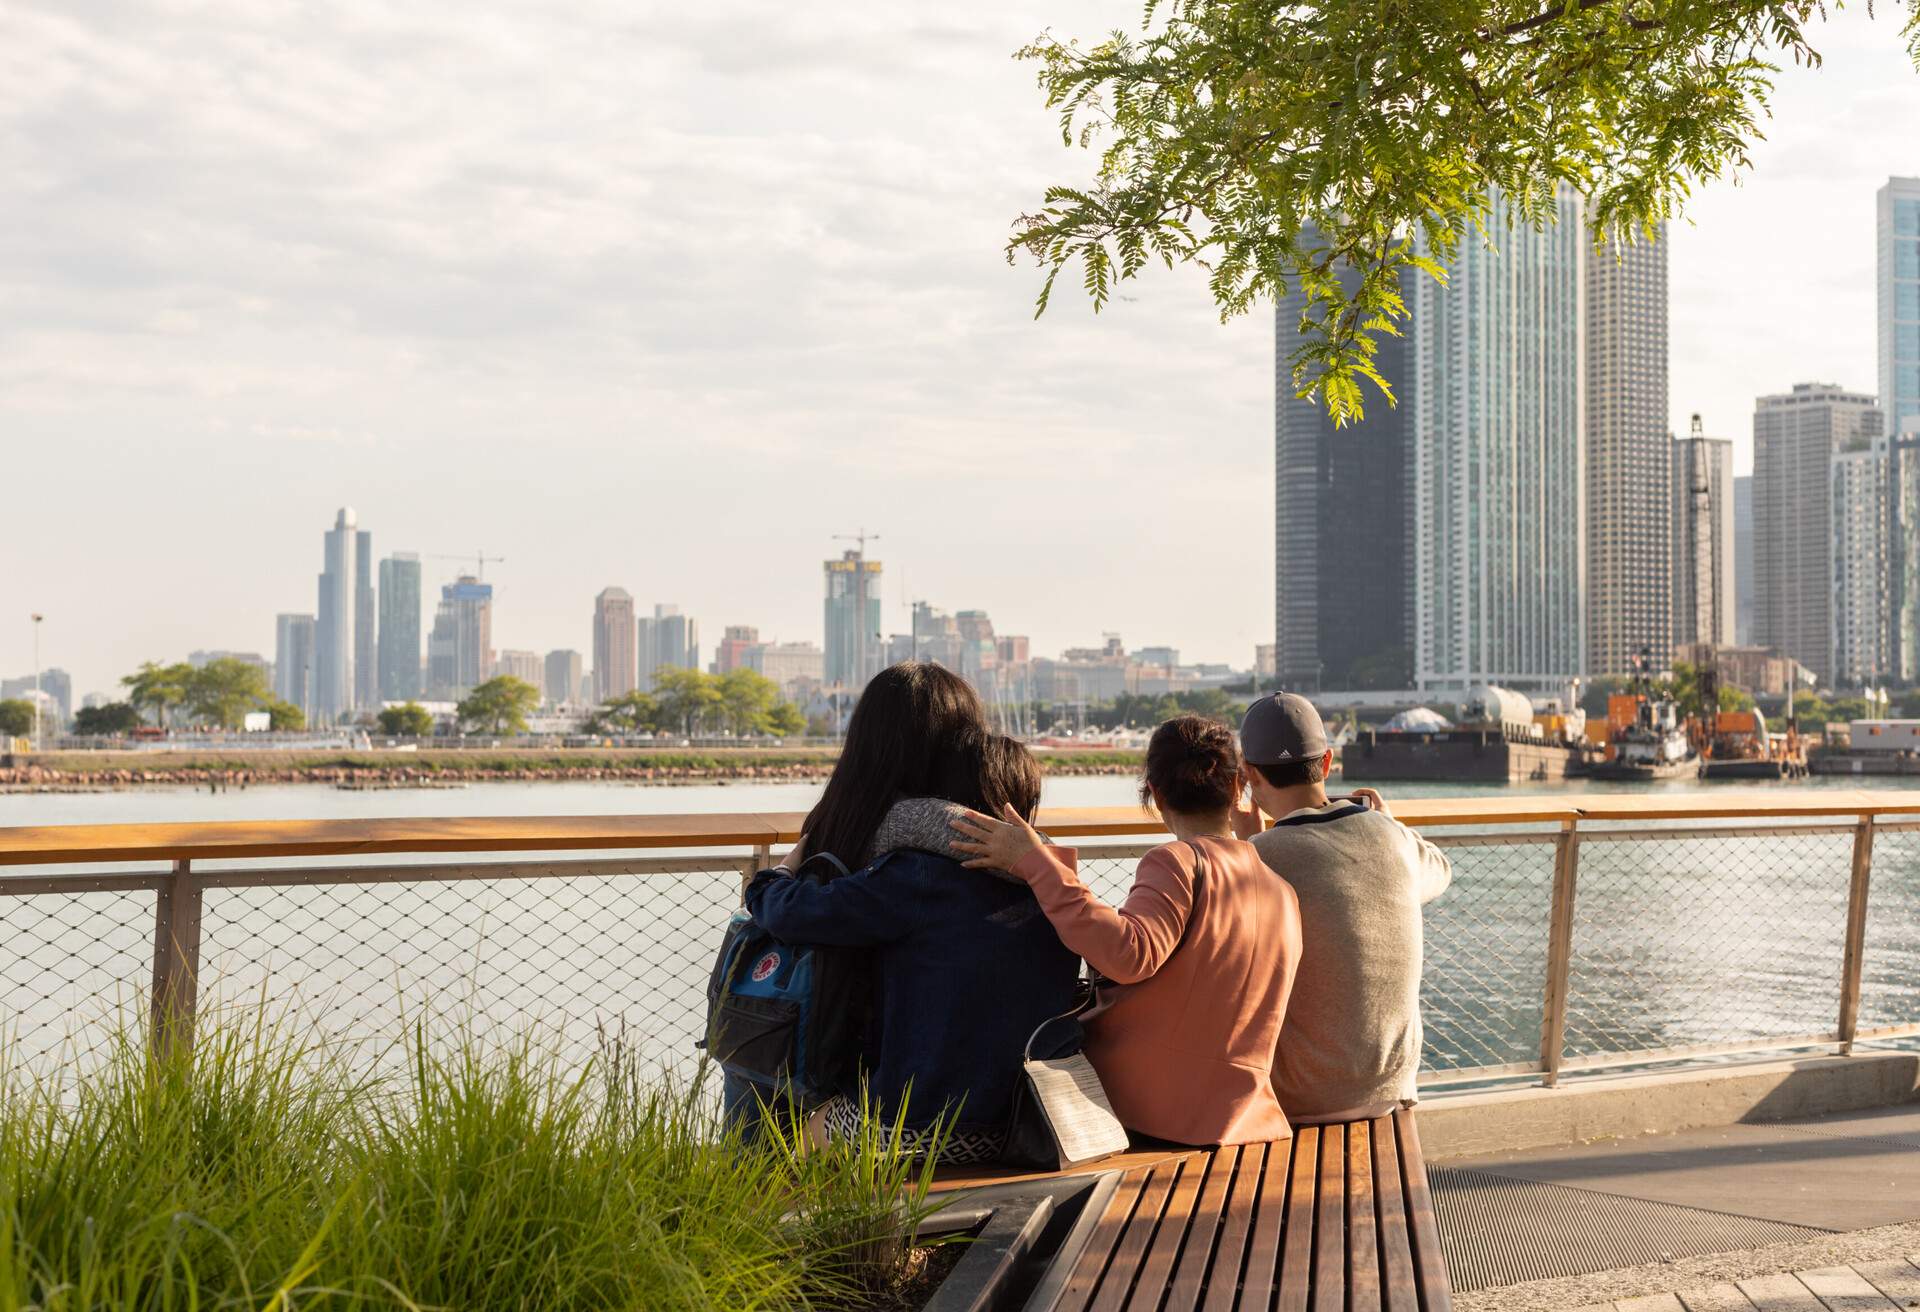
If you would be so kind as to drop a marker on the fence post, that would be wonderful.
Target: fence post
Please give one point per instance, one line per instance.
(176, 960)
(1854, 962)
(1553, 1020)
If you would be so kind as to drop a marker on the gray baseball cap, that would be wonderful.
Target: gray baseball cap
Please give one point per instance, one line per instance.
(1281, 729)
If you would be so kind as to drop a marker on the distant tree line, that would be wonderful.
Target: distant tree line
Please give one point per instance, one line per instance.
(219, 694)
(691, 702)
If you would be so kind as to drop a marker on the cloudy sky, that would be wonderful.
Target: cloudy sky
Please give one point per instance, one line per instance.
(667, 297)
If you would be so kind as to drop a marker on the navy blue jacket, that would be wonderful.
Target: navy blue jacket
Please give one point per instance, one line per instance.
(965, 967)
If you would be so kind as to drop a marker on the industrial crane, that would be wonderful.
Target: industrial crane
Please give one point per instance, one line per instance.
(480, 559)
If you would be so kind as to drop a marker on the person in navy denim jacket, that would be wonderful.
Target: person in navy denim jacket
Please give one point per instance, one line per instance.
(964, 965)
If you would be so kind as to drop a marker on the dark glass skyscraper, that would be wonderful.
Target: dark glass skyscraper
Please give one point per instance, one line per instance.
(1341, 555)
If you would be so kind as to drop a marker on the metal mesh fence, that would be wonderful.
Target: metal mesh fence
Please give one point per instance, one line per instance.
(568, 957)
(74, 968)
(1482, 991)
(1890, 977)
(1707, 938)
(1682, 939)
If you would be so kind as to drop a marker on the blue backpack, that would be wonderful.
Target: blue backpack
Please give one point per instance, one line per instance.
(788, 1016)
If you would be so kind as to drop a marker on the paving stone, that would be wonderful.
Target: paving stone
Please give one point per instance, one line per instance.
(1725, 1297)
(1779, 1293)
(1843, 1289)
(1898, 1280)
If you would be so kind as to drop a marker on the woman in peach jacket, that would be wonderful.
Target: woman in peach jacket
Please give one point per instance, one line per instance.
(1198, 960)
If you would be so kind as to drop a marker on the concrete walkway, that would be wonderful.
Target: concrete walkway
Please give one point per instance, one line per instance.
(1691, 1215)
(1862, 1287)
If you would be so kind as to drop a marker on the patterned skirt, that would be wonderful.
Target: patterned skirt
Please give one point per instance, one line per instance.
(961, 1148)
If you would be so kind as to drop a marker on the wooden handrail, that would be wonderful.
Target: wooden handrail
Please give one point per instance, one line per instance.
(72, 844)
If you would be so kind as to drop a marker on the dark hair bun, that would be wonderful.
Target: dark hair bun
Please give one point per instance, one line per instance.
(1193, 764)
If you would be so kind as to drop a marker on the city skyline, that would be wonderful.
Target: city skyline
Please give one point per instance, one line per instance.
(446, 327)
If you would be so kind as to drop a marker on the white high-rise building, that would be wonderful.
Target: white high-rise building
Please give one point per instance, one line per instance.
(1498, 448)
(293, 660)
(1631, 574)
(334, 645)
(1795, 437)
(1701, 522)
(1859, 554)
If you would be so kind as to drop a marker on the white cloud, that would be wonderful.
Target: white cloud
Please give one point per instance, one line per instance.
(666, 297)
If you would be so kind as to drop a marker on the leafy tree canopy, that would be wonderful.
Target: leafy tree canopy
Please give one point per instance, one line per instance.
(283, 716)
(1275, 144)
(158, 689)
(411, 720)
(16, 718)
(630, 712)
(110, 720)
(500, 705)
(221, 692)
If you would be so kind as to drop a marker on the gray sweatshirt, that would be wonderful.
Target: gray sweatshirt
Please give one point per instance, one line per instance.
(925, 823)
(1350, 1045)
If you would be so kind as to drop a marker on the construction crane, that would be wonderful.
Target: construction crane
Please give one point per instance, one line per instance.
(480, 560)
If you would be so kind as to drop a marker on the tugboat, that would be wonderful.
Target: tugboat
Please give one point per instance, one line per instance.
(1738, 745)
(1654, 745)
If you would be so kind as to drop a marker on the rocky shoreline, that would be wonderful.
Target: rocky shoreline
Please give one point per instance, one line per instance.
(36, 778)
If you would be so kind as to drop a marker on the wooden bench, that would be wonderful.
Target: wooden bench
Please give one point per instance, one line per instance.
(1339, 1219)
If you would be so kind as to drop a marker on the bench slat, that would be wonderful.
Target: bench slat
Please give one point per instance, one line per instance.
(1223, 1286)
(1363, 1261)
(1296, 1263)
(1134, 1240)
(1174, 1225)
(1423, 1227)
(1100, 1244)
(1399, 1288)
(1330, 1223)
(1190, 1276)
(1263, 1248)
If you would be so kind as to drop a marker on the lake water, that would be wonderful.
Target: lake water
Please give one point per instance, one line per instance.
(1708, 940)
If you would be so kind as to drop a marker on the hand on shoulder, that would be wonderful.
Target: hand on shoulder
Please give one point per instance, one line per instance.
(994, 844)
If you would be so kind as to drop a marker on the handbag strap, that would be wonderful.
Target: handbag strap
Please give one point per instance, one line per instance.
(1093, 994)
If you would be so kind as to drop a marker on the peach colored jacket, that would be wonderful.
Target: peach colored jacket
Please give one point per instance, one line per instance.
(1184, 1036)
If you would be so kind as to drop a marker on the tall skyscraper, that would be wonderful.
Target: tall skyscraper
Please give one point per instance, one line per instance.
(293, 652)
(1897, 264)
(1701, 521)
(1342, 611)
(460, 648)
(1897, 269)
(564, 671)
(366, 646)
(333, 685)
(1498, 458)
(852, 619)
(1743, 592)
(669, 640)
(1630, 569)
(615, 666)
(399, 636)
(1902, 593)
(1859, 552)
(1795, 436)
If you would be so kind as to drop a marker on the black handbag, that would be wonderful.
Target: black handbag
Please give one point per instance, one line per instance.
(1061, 1116)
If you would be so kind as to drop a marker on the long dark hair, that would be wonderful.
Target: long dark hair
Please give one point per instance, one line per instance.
(906, 728)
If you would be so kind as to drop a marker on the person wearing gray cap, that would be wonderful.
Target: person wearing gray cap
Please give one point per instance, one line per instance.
(1351, 1045)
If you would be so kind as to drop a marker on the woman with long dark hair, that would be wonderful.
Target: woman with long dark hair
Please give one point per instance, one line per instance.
(964, 965)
